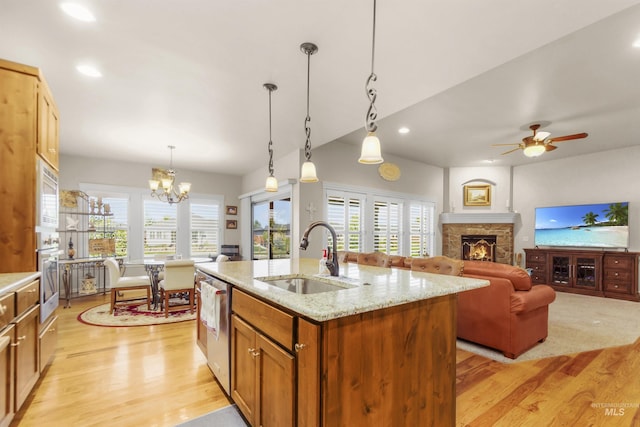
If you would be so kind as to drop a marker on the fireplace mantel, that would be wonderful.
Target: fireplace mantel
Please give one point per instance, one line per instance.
(479, 218)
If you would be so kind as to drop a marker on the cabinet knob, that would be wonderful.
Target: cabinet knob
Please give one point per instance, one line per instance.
(299, 347)
(31, 291)
(3, 309)
(616, 286)
(616, 262)
(253, 352)
(22, 338)
(616, 274)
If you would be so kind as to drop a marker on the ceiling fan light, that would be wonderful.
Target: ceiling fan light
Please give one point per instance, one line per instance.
(534, 150)
(541, 136)
(370, 153)
(308, 172)
(271, 184)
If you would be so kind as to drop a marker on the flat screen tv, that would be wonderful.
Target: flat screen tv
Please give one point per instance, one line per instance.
(600, 225)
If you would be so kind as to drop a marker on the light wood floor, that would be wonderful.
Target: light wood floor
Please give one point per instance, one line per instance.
(156, 376)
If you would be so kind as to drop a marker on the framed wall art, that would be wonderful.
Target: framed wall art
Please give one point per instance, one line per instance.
(232, 210)
(477, 195)
(232, 224)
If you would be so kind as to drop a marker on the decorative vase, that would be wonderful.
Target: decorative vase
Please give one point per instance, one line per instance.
(71, 252)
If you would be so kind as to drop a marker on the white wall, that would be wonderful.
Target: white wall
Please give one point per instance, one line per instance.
(499, 177)
(610, 176)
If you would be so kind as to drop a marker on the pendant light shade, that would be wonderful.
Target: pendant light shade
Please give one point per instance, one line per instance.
(271, 185)
(370, 153)
(308, 172)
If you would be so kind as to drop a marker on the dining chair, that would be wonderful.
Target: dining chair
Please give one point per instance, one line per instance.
(117, 284)
(179, 278)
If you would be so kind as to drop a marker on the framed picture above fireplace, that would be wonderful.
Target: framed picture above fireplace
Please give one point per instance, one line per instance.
(477, 195)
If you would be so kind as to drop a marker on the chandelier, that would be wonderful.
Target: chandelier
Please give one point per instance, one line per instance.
(163, 184)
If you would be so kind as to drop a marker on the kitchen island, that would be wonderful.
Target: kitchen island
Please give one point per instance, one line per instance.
(379, 351)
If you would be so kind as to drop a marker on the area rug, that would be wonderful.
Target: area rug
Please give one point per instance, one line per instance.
(578, 323)
(134, 314)
(229, 416)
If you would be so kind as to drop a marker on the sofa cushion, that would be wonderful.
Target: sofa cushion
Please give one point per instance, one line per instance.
(396, 261)
(538, 296)
(519, 278)
(438, 265)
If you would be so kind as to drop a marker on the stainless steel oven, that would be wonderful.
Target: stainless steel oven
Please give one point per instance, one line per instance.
(47, 239)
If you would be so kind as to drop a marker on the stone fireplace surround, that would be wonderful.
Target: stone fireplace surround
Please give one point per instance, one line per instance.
(455, 225)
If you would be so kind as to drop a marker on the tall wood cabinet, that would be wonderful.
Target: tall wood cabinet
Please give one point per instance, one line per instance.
(29, 123)
(598, 273)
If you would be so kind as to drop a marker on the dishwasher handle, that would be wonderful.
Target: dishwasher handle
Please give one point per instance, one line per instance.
(218, 291)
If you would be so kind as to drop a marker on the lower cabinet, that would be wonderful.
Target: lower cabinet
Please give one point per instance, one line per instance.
(7, 375)
(26, 351)
(395, 364)
(263, 378)
(48, 338)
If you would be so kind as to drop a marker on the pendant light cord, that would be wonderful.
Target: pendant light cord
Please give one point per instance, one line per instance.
(307, 120)
(270, 141)
(372, 93)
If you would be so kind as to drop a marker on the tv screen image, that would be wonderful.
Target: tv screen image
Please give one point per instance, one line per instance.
(600, 225)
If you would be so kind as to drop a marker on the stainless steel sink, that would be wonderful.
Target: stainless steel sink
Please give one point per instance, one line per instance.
(303, 284)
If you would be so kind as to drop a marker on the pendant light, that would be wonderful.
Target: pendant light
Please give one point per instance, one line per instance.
(308, 172)
(272, 183)
(370, 154)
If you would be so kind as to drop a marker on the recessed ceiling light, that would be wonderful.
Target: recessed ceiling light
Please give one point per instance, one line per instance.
(637, 42)
(404, 130)
(89, 70)
(77, 11)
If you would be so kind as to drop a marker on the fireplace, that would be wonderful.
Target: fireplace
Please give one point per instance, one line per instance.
(500, 225)
(478, 247)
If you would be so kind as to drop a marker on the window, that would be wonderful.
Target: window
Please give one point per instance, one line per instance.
(387, 226)
(205, 228)
(160, 228)
(393, 223)
(421, 232)
(344, 213)
(271, 229)
(118, 223)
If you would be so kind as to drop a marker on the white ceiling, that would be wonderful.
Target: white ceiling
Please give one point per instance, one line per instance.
(462, 74)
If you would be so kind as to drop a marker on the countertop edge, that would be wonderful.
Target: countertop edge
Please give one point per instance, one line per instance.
(9, 282)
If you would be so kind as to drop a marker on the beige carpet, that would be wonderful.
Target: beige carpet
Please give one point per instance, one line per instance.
(578, 323)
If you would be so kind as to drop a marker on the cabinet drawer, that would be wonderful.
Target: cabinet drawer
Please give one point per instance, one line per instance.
(7, 309)
(275, 323)
(533, 257)
(618, 262)
(539, 278)
(27, 296)
(616, 286)
(617, 275)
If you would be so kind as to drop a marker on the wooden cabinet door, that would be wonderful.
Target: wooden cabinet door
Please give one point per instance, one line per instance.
(48, 343)
(48, 125)
(7, 373)
(276, 385)
(243, 367)
(17, 171)
(308, 381)
(27, 366)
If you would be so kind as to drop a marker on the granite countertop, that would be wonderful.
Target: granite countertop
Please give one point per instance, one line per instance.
(367, 288)
(11, 281)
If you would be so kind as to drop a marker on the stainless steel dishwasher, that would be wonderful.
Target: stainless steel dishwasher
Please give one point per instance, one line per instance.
(218, 357)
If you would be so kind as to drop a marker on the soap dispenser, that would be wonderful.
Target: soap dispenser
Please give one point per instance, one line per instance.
(322, 267)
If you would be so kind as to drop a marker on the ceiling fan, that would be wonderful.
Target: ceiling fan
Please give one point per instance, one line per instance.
(538, 143)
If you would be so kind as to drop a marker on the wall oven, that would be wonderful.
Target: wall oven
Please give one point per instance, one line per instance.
(47, 239)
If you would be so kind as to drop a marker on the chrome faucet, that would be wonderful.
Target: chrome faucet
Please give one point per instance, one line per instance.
(332, 258)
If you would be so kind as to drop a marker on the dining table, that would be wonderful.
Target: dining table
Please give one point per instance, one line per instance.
(153, 267)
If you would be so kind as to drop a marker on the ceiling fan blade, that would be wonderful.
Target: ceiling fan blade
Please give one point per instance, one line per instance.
(550, 147)
(568, 137)
(511, 151)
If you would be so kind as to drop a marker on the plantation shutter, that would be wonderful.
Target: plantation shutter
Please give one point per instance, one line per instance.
(205, 228)
(387, 226)
(344, 213)
(160, 226)
(421, 233)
